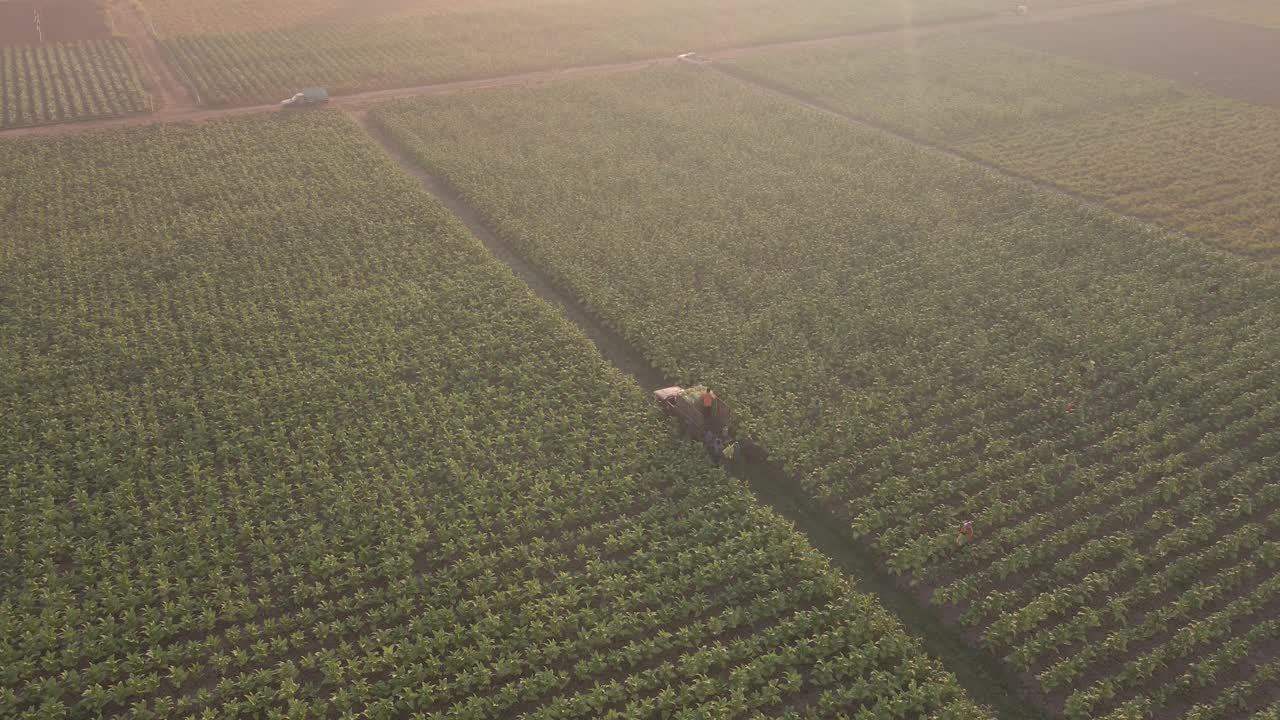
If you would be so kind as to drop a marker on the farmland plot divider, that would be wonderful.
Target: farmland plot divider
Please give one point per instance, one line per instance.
(610, 344)
(978, 671)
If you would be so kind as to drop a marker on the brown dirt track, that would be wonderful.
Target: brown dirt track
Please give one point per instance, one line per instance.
(1225, 58)
(61, 20)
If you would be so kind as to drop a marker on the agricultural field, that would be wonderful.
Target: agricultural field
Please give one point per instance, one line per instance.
(1140, 145)
(279, 439)
(60, 62)
(68, 81)
(1229, 59)
(29, 22)
(238, 53)
(192, 17)
(1201, 165)
(924, 342)
(950, 89)
(197, 17)
(1251, 12)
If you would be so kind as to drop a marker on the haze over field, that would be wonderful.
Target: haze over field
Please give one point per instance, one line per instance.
(533, 359)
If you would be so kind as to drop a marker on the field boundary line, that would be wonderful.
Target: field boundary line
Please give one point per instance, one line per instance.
(191, 112)
(984, 677)
(609, 342)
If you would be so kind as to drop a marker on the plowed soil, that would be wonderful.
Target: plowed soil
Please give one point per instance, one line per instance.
(61, 21)
(1225, 58)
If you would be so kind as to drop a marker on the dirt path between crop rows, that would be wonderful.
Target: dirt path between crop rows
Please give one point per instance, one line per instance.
(610, 344)
(983, 676)
(179, 106)
(172, 98)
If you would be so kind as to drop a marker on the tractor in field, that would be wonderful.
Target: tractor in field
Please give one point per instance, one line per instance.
(694, 417)
(309, 97)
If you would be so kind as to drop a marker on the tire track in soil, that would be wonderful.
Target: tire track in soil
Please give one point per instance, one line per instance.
(981, 674)
(178, 105)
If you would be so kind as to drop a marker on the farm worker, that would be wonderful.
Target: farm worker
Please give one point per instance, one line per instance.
(966, 532)
(717, 450)
(708, 399)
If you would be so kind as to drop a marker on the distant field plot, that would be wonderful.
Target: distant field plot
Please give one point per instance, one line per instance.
(259, 54)
(1230, 59)
(189, 17)
(68, 81)
(200, 17)
(1265, 13)
(924, 343)
(48, 21)
(278, 439)
(948, 89)
(1206, 166)
(1191, 162)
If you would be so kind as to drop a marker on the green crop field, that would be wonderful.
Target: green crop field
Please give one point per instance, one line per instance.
(1263, 13)
(205, 17)
(238, 53)
(1201, 165)
(68, 81)
(278, 439)
(950, 89)
(1187, 161)
(925, 342)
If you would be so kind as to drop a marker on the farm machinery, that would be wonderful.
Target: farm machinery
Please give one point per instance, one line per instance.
(696, 411)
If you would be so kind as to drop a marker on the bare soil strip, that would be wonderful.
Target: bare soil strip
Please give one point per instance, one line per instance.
(983, 676)
(172, 98)
(1225, 58)
(179, 106)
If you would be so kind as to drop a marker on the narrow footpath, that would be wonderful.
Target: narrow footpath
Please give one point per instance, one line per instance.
(983, 676)
(610, 344)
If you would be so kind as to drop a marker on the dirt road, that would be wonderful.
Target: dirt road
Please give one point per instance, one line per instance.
(171, 96)
(177, 104)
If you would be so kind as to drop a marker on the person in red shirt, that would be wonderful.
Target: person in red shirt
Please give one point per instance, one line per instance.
(708, 400)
